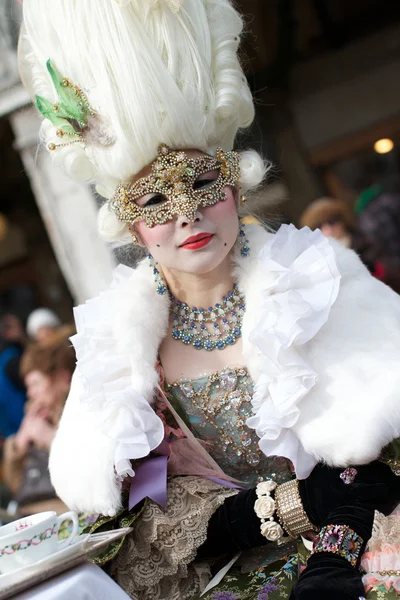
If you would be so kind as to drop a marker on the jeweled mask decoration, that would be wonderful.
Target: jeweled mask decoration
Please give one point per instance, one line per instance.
(173, 178)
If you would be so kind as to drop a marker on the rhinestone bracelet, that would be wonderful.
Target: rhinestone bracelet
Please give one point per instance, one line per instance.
(341, 540)
(290, 511)
(265, 509)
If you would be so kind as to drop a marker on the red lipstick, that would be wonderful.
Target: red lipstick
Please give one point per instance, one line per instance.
(197, 241)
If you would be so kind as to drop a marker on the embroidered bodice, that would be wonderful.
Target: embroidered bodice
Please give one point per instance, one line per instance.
(216, 408)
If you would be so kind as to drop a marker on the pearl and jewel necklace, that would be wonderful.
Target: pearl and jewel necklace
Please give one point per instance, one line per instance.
(213, 328)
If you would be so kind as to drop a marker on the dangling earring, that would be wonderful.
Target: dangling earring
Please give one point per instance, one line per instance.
(160, 284)
(243, 241)
(243, 199)
(133, 234)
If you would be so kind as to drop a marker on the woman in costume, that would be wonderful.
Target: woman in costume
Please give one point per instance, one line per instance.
(254, 370)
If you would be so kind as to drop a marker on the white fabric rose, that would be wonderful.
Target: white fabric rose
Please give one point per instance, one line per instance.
(265, 507)
(272, 531)
(265, 487)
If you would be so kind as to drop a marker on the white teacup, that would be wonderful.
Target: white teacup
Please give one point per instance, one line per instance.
(33, 538)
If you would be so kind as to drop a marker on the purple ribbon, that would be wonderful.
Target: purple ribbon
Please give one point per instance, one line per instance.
(150, 481)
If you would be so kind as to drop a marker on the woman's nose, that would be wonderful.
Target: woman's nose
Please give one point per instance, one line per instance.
(184, 220)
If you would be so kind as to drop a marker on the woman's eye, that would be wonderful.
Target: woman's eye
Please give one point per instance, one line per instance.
(205, 181)
(158, 199)
(202, 184)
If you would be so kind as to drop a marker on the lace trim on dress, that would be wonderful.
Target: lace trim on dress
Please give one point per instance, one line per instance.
(385, 532)
(155, 562)
(381, 561)
(295, 307)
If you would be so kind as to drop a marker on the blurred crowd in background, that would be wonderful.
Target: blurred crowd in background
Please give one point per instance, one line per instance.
(372, 229)
(37, 361)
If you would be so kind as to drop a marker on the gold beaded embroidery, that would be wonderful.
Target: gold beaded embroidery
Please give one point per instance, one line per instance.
(173, 176)
(393, 463)
(211, 405)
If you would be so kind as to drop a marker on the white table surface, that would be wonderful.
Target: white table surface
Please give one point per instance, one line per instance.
(86, 582)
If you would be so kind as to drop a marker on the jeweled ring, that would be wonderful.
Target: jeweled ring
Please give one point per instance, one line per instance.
(348, 476)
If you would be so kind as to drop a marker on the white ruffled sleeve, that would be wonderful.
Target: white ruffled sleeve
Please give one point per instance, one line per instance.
(106, 423)
(296, 305)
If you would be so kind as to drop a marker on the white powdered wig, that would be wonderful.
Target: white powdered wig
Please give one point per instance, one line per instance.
(253, 169)
(111, 229)
(152, 75)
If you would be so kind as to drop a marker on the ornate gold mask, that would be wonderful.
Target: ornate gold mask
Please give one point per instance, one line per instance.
(173, 177)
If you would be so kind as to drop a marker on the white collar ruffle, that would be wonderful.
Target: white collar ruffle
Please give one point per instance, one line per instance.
(295, 306)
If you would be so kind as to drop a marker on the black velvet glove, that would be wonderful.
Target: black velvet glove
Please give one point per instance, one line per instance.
(329, 576)
(233, 527)
(375, 486)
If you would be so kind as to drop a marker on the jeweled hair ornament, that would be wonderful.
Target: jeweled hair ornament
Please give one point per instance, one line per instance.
(72, 114)
(172, 181)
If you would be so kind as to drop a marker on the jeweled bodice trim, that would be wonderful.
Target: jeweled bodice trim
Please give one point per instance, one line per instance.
(217, 407)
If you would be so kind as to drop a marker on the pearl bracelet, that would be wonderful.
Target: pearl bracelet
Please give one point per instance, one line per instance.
(264, 508)
(290, 510)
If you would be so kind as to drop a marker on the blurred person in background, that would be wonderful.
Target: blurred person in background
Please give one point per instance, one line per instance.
(12, 391)
(41, 324)
(333, 217)
(378, 211)
(47, 371)
(336, 220)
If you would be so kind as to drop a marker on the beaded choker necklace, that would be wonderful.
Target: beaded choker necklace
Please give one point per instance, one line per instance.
(214, 328)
